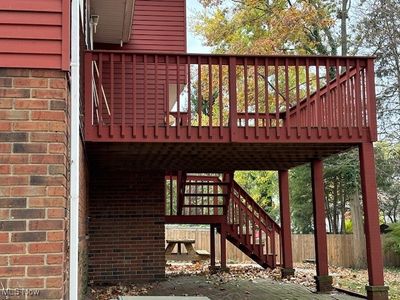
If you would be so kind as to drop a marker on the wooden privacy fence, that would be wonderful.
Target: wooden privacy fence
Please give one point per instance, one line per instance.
(340, 247)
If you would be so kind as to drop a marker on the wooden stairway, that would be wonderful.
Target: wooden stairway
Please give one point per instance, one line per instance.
(218, 199)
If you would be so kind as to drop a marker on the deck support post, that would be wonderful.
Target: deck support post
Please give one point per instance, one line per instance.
(223, 247)
(212, 245)
(323, 280)
(376, 288)
(286, 235)
(180, 193)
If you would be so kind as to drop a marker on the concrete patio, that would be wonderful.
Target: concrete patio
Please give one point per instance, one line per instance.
(240, 289)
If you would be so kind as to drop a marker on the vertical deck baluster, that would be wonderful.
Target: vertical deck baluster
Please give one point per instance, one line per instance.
(348, 107)
(178, 102)
(329, 100)
(287, 103)
(221, 108)
(134, 121)
(100, 95)
(260, 242)
(277, 111)
(111, 133)
(318, 104)
(339, 99)
(189, 113)
(166, 102)
(123, 76)
(208, 200)
(256, 96)
(332, 104)
(199, 96)
(246, 99)
(171, 194)
(233, 124)
(353, 102)
(88, 89)
(240, 218)
(307, 113)
(210, 98)
(298, 120)
(371, 101)
(247, 220)
(358, 98)
(253, 216)
(273, 247)
(156, 104)
(145, 96)
(266, 95)
(364, 98)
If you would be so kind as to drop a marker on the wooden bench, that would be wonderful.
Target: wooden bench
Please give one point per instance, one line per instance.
(190, 255)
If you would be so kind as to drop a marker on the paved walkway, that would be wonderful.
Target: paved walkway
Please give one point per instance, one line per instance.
(240, 289)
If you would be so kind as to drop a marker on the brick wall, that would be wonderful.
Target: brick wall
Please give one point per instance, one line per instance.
(126, 228)
(33, 180)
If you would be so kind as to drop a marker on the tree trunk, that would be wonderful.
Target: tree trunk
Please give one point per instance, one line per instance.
(335, 207)
(343, 27)
(343, 208)
(358, 232)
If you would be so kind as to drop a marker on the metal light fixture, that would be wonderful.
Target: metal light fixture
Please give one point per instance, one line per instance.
(94, 21)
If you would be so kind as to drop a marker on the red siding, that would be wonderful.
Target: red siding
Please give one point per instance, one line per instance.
(158, 26)
(35, 34)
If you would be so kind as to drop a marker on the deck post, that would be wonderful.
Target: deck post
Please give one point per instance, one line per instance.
(376, 288)
(212, 245)
(180, 193)
(286, 236)
(323, 280)
(223, 247)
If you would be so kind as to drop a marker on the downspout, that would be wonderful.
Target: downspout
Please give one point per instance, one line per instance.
(75, 143)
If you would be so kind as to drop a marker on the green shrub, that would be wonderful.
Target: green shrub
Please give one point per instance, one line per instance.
(392, 238)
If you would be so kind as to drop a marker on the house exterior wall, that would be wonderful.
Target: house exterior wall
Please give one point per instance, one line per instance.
(126, 227)
(35, 34)
(158, 26)
(34, 122)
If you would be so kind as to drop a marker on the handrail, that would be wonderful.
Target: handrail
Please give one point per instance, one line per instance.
(170, 96)
(96, 101)
(242, 192)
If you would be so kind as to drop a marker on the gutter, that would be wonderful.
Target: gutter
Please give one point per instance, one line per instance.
(74, 153)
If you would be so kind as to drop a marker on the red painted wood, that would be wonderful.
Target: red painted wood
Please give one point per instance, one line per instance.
(144, 104)
(212, 245)
(35, 34)
(321, 251)
(286, 235)
(371, 215)
(223, 245)
(158, 26)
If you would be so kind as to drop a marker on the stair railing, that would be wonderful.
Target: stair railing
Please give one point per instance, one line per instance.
(253, 226)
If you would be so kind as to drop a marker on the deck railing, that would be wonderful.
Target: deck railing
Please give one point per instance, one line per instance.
(187, 97)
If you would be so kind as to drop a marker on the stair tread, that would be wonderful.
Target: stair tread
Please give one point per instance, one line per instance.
(205, 194)
(207, 183)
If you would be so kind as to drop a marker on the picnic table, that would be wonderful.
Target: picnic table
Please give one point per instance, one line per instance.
(191, 253)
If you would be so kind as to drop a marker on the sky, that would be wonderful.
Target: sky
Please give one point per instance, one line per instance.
(194, 43)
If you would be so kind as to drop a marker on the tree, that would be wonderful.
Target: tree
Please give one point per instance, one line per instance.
(388, 179)
(379, 32)
(341, 184)
(262, 187)
(301, 199)
(267, 27)
(392, 239)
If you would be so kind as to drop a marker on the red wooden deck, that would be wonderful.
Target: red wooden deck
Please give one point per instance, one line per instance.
(147, 97)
